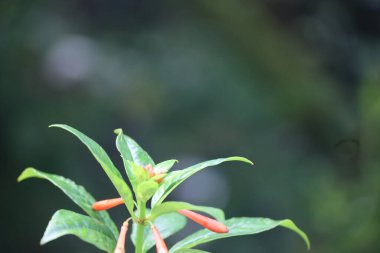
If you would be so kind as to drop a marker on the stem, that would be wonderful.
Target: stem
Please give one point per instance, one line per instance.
(140, 228)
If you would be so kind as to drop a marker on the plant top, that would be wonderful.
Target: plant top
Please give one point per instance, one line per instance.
(150, 183)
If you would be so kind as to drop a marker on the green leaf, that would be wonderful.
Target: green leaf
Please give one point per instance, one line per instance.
(132, 167)
(107, 165)
(167, 224)
(165, 166)
(145, 190)
(76, 193)
(132, 151)
(237, 227)
(88, 229)
(172, 206)
(175, 178)
(122, 146)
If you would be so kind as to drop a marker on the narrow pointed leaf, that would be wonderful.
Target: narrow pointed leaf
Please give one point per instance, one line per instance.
(76, 193)
(172, 206)
(165, 166)
(107, 165)
(167, 224)
(175, 178)
(237, 227)
(122, 146)
(88, 229)
(133, 152)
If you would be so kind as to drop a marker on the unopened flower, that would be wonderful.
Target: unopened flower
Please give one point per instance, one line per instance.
(210, 224)
(160, 243)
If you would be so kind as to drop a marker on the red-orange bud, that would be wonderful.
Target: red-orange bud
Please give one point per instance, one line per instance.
(160, 178)
(210, 224)
(160, 243)
(107, 204)
(150, 170)
(120, 246)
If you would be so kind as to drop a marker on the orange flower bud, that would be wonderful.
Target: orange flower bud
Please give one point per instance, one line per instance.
(159, 177)
(150, 170)
(120, 246)
(107, 204)
(210, 224)
(160, 243)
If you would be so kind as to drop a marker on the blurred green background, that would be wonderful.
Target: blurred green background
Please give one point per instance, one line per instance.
(292, 85)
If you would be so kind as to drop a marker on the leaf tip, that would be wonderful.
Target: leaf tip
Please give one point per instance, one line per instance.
(24, 174)
(308, 246)
(118, 131)
(247, 161)
(43, 241)
(241, 159)
(291, 225)
(250, 162)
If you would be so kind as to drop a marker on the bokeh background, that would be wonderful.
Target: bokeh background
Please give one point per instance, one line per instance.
(292, 85)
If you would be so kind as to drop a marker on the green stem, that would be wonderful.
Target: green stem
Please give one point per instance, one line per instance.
(140, 228)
